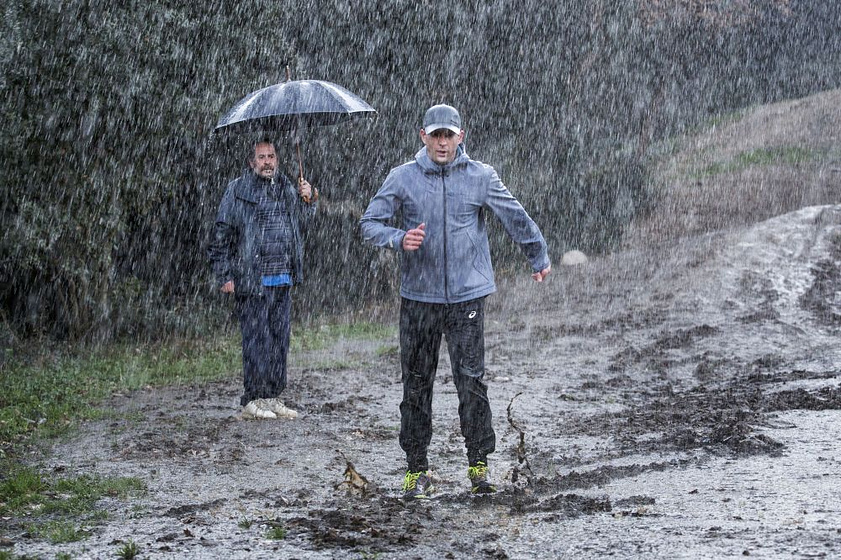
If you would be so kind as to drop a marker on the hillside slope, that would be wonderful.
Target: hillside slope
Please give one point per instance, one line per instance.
(760, 163)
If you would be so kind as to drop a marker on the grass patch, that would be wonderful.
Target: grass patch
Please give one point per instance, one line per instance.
(58, 532)
(781, 155)
(46, 393)
(324, 336)
(128, 551)
(49, 395)
(387, 350)
(25, 490)
(276, 533)
(19, 488)
(66, 504)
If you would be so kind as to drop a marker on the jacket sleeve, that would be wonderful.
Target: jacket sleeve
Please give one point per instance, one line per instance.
(223, 239)
(306, 211)
(517, 223)
(381, 210)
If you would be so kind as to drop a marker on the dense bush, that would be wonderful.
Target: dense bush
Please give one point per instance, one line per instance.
(111, 172)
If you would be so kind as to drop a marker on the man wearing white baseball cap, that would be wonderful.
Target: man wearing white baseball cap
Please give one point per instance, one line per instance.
(446, 273)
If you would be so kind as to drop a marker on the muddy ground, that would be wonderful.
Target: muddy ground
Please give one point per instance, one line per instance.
(680, 401)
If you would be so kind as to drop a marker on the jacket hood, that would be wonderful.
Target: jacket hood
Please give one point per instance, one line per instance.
(429, 166)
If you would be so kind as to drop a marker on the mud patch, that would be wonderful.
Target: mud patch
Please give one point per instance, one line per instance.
(378, 525)
(655, 356)
(187, 509)
(570, 505)
(720, 419)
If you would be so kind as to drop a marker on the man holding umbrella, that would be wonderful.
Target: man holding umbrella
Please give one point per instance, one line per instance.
(442, 197)
(257, 255)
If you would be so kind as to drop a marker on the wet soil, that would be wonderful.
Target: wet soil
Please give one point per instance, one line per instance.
(678, 401)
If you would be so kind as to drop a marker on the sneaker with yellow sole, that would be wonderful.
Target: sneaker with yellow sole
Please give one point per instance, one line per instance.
(417, 485)
(478, 475)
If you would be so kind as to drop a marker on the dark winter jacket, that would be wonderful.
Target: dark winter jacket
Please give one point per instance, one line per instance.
(234, 249)
(454, 263)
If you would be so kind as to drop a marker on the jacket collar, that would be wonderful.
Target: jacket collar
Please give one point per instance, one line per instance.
(251, 187)
(430, 167)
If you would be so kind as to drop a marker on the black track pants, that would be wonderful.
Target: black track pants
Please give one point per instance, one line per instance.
(264, 321)
(421, 328)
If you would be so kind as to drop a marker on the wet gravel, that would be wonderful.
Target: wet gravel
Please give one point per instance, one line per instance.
(680, 401)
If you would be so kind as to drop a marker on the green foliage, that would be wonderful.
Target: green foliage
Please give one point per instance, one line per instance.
(7, 555)
(277, 533)
(62, 503)
(111, 174)
(105, 101)
(80, 494)
(786, 155)
(25, 489)
(782, 155)
(326, 335)
(58, 531)
(20, 488)
(128, 551)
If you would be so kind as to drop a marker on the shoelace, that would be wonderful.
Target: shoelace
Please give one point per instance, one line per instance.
(480, 471)
(411, 480)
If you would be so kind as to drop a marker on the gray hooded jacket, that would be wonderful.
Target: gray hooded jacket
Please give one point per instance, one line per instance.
(454, 263)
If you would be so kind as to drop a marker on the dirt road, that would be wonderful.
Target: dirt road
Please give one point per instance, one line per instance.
(671, 402)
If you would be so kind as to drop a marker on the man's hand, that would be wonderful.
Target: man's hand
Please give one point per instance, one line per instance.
(305, 190)
(228, 287)
(539, 276)
(414, 238)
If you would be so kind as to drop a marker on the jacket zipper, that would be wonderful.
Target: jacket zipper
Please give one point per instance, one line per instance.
(446, 268)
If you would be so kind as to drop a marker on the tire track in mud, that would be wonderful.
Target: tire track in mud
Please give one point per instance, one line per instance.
(654, 356)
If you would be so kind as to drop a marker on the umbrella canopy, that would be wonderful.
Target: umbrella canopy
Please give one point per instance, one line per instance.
(294, 105)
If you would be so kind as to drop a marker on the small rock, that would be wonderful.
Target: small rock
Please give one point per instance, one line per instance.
(574, 257)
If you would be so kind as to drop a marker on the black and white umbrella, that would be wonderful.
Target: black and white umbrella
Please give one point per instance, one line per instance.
(292, 106)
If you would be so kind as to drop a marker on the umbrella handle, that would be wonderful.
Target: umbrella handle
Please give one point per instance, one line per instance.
(300, 162)
(301, 168)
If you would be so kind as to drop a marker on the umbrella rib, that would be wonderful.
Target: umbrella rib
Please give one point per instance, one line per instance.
(343, 97)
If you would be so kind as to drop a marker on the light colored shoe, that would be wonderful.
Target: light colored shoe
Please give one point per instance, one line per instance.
(258, 408)
(281, 410)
